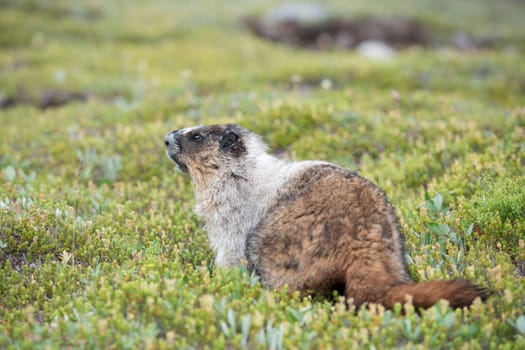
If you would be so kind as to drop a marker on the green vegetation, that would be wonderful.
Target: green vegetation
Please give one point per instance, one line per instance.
(99, 246)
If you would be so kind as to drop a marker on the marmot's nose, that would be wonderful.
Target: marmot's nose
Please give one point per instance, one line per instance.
(171, 138)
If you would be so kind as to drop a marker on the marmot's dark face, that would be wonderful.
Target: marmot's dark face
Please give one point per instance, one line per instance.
(200, 151)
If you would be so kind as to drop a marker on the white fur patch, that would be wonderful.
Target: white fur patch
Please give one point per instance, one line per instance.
(187, 130)
(232, 208)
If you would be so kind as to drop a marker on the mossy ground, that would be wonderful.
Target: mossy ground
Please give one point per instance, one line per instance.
(99, 247)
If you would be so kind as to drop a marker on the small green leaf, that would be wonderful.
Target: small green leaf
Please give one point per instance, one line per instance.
(440, 229)
(10, 173)
(245, 329)
(225, 329)
(469, 230)
(428, 238)
(520, 324)
(438, 201)
(449, 320)
(231, 321)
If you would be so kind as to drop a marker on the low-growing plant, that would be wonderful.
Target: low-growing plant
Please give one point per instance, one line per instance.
(498, 212)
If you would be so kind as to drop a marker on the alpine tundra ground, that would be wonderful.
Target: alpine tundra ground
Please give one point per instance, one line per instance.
(99, 246)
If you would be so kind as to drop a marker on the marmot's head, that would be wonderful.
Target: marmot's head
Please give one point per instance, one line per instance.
(207, 151)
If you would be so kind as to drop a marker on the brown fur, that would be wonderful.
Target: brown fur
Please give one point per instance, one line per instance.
(333, 229)
(458, 293)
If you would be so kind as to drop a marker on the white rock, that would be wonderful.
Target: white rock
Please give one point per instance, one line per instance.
(326, 84)
(306, 13)
(376, 50)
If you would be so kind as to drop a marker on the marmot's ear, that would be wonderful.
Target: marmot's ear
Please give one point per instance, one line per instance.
(229, 140)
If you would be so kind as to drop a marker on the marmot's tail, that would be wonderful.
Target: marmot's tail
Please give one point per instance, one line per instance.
(459, 293)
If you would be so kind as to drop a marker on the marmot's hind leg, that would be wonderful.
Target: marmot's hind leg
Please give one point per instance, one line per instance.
(368, 281)
(365, 285)
(323, 282)
(320, 279)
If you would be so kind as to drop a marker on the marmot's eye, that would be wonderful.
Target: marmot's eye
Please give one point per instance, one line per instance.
(197, 137)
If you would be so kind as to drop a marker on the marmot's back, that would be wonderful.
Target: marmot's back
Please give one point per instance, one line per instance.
(334, 230)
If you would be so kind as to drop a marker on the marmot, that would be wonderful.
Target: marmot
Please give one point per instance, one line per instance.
(311, 225)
